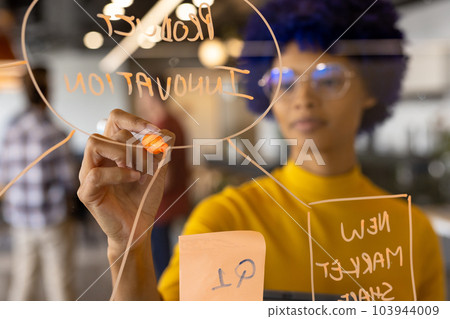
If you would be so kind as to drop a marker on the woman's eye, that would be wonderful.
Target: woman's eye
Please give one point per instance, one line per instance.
(330, 83)
(284, 85)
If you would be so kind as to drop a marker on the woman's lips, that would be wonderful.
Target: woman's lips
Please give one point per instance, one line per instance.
(308, 125)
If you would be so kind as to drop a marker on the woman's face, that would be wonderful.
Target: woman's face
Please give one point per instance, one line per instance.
(306, 113)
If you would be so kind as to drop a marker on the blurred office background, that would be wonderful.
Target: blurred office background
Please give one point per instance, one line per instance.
(410, 153)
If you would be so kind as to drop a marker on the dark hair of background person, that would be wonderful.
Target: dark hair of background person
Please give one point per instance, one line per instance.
(41, 76)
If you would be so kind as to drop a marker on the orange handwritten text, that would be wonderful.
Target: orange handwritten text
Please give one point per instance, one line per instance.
(370, 263)
(372, 294)
(177, 32)
(376, 225)
(178, 86)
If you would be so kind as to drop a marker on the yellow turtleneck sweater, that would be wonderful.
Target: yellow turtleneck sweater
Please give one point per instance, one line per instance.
(368, 239)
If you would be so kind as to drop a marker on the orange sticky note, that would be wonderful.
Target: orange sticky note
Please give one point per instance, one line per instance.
(222, 266)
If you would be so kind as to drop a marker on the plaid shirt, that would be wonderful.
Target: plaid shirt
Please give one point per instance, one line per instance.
(39, 198)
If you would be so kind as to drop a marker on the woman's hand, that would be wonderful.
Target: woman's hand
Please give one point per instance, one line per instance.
(112, 189)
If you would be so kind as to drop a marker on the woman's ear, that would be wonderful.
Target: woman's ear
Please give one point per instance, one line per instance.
(370, 102)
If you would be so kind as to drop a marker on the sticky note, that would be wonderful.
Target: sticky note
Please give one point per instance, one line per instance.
(222, 266)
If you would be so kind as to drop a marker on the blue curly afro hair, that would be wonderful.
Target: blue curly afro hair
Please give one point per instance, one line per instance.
(315, 25)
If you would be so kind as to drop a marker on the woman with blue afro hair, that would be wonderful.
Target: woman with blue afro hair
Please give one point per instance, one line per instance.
(328, 230)
(363, 31)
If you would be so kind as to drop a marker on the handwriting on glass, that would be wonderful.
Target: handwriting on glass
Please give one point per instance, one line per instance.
(167, 32)
(366, 263)
(179, 85)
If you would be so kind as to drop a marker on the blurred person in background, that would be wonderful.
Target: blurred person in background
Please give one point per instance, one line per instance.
(155, 110)
(37, 205)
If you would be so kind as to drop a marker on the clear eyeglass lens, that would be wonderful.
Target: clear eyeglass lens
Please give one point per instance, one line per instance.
(328, 80)
(288, 78)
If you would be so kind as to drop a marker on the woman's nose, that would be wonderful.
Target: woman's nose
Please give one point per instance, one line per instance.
(303, 96)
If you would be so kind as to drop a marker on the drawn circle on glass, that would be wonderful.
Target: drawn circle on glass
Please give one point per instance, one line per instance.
(257, 121)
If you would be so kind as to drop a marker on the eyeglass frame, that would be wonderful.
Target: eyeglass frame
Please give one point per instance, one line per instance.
(348, 75)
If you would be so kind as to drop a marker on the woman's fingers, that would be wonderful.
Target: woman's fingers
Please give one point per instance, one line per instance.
(104, 152)
(91, 191)
(121, 148)
(100, 152)
(122, 136)
(143, 160)
(120, 120)
(114, 161)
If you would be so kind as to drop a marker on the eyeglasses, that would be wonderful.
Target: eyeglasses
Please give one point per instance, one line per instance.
(328, 80)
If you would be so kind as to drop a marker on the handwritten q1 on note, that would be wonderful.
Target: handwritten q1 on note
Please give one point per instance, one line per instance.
(222, 266)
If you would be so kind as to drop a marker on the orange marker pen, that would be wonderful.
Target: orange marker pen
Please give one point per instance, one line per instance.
(154, 144)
